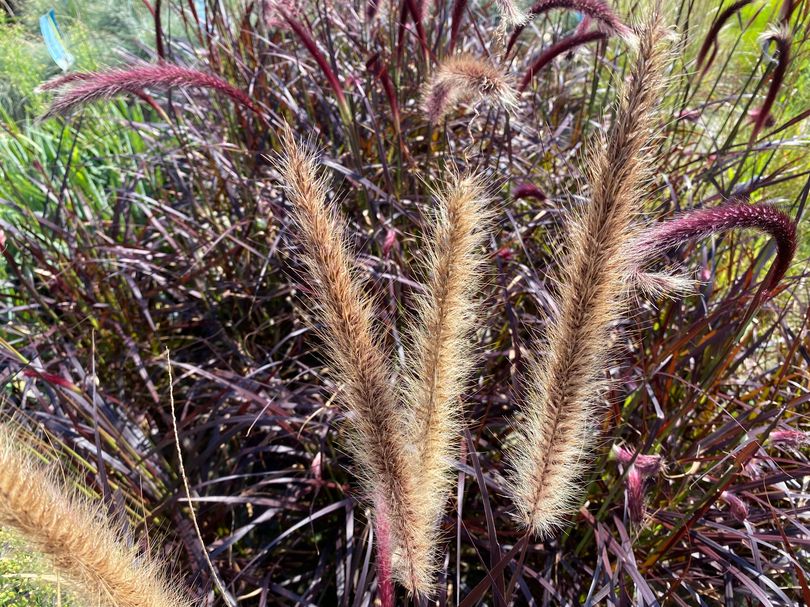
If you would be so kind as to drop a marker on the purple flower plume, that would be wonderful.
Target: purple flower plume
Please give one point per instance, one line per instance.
(528, 190)
(735, 214)
(74, 90)
(595, 9)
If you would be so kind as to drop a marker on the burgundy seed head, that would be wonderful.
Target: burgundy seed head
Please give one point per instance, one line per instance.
(87, 87)
(528, 190)
(737, 507)
(390, 241)
(634, 491)
(734, 214)
(591, 9)
(647, 465)
(789, 438)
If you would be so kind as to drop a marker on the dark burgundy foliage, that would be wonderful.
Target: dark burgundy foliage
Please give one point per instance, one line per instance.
(183, 243)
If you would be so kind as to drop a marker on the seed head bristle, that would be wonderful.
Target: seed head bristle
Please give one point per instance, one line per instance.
(440, 356)
(378, 437)
(511, 14)
(76, 537)
(551, 449)
(464, 78)
(606, 18)
(734, 214)
(75, 90)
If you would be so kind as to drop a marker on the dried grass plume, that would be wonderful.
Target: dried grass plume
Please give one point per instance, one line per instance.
(76, 537)
(402, 441)
(440, 356)
(465, 78)
(551, 450)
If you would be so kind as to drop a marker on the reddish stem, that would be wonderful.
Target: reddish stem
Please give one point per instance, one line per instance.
(711, 36)
(312, 47)
(558, 48)
(595, 9)
(382, 529)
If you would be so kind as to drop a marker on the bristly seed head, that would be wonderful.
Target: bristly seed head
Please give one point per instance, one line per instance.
(648, 465)
(737, 507)
(734, 214)
(464, 78)
(597, 10)
(634, 490)
(552, 445)
(789, 438)
(85, 548)
(81, 88)
(404, 439)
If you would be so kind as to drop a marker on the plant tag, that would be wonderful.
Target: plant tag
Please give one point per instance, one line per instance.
(54, 41)
(199, 8)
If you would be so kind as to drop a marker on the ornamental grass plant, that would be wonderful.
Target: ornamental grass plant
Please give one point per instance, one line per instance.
(465, 303)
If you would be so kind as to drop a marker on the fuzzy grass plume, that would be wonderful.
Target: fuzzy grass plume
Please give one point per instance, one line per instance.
(361, 364)
(599, 11)
(79, 89)
(404, 454)
(441, 353)
(551, 450)
(76, 537)
(734, 214)
(640, 468)
(464, 78)
(511, 14)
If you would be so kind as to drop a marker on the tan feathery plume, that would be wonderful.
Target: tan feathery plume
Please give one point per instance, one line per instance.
(551, 450)
(76, 537)
(463, 78)
(441, 357)
(511, 14)
(360, 364)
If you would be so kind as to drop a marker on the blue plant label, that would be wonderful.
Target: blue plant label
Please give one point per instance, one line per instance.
(54, 41)
(199, 8)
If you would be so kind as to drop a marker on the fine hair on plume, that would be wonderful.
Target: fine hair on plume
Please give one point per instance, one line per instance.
(550, 452)
(403, 441)
(76, 537)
